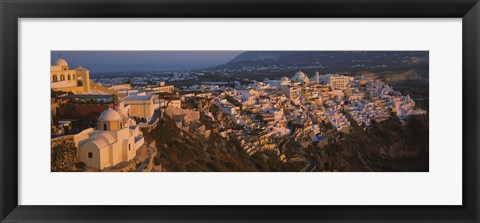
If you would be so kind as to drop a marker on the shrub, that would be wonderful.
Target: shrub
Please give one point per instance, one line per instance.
(156, 161)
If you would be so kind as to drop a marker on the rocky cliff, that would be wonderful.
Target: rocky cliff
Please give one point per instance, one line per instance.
(386, 146)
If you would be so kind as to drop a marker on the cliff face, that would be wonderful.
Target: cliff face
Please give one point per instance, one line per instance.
(385, 146)
(63, 154)
(181, 151)
(392, 77)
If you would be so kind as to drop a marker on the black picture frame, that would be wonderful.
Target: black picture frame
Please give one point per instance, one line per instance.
(11, 11)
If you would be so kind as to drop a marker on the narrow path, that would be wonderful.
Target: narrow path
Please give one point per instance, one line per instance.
(310, 167)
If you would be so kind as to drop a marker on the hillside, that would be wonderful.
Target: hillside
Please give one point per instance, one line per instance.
(386, 146)
(333, 61)
(260, 55)
(182, 151)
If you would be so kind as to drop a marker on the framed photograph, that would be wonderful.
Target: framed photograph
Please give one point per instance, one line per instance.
(228, 111)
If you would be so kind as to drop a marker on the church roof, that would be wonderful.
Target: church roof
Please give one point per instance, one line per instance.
(81, 68)
(138, 98)
(110, 115)
(300, 74)
(105, 136)
(99, 143)
(100, 139)
(61, 62)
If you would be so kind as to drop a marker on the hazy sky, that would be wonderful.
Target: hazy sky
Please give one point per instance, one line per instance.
(105, 61)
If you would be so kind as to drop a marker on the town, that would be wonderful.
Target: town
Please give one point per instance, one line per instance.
(106, 123)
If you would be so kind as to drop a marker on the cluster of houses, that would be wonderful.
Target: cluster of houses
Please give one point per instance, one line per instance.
(305, 108)
(377, 101)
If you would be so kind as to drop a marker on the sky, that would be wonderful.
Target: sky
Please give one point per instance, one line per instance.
(111, 61)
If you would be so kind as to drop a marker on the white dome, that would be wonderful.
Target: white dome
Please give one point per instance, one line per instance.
(61, 62)
(110, 115)
(300, 74)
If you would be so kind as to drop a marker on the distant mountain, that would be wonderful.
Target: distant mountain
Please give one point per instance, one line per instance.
(329, 60)
(260, 55)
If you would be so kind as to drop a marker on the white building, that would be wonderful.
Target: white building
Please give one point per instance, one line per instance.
(227, 107)
(141, 106)
(339, 81)
(316, 78)
(292, 92)
(277, 83)
(116, 139)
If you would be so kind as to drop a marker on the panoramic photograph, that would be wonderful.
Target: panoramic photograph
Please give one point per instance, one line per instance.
(239, 111)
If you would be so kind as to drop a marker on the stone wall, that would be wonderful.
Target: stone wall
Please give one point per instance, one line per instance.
(63, 154)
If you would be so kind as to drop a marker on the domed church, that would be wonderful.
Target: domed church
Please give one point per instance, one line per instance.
(116, 139)
(110, 120)
(62, 78)
(300, 77)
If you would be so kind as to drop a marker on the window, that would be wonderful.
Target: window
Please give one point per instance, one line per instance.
(90, 155)
(62, 77)
(74, 76)
(69, 77)
(55, 79)
(105, 126)
(129, 148)
(121, 125)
